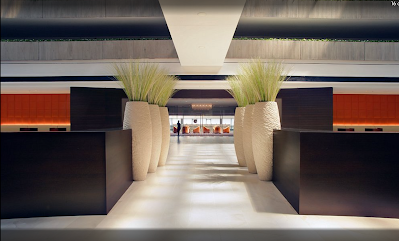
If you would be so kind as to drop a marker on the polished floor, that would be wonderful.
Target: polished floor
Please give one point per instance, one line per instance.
(202, 187)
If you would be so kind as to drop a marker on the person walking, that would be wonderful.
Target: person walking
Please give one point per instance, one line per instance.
(178, 128)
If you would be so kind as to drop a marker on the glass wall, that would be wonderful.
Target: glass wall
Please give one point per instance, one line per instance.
(202, 124)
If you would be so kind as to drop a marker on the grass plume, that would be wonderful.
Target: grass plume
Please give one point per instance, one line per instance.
(261, 82)
(143, 81)
(163, 90)
(237, 90)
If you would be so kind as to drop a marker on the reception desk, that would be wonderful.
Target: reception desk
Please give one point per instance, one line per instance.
(64, 173)
(338, 173)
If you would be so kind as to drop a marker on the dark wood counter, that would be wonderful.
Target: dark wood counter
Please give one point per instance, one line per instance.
(338, 173)
(64, 173)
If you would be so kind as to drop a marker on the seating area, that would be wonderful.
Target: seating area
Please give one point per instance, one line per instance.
(197, 130)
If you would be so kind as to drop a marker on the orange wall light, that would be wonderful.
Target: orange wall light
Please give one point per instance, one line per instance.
(358, 109)
(28, 109)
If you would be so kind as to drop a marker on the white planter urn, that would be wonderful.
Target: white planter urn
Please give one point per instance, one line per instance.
(156, 137)
(165, 135)
(247, 137)
(137, 117)
(266, 118)
(238, 135)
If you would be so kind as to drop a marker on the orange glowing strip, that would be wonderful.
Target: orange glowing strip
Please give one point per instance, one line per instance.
(41, 124)
(371, 124)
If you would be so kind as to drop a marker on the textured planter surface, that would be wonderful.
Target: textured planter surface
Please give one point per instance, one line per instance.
(238, 135)
(165, 135)
(137, 117)
(266, 118)
(247, 137)
(156, 137)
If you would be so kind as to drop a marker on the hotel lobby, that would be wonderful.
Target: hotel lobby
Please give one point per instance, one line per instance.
(66, 155)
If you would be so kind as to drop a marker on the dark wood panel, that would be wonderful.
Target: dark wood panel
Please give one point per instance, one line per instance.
(62, 173)
(307, 108)
(119, 174)
(96, 108)
(36, 174)
(350, 174)
(286, 149)
(340, 173)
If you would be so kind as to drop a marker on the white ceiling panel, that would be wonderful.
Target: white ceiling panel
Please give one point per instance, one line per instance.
(202, 30)
(325, 68)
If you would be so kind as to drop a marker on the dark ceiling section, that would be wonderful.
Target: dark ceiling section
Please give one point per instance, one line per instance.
(361, 29)
(215, 111)
(202, 94)
(342, 79)
(202, 77)
(199, 77)
(156, 27)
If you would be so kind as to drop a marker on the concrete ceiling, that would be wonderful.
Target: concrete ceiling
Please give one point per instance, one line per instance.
(202, 30)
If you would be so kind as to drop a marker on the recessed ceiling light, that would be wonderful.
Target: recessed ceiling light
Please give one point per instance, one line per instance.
(201, 106)
(201, 14)
(201, 47)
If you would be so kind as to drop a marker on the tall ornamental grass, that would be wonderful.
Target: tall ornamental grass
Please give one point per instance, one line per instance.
(237, 91)
(261, 82)
(137, 78)
(163, 90)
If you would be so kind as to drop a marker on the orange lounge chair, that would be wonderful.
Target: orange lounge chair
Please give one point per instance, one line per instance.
(226, 130)
(217, 130)
(206, 130)
(196, 130)
(174, 129)
(186, 130)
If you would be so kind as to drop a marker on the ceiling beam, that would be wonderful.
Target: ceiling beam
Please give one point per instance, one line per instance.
(202, 30)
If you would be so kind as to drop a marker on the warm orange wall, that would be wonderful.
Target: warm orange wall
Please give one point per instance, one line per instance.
(55, 109)
(366, 109)
(35, 109)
